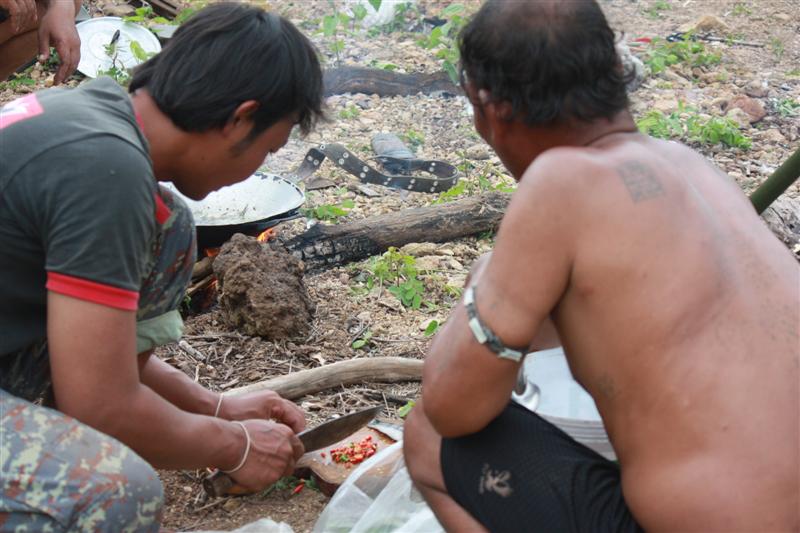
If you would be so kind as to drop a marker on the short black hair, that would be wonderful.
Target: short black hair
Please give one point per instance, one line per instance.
(226, 54)
(552, 60)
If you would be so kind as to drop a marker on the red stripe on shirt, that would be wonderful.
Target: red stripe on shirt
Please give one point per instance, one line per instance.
(162, 211)
(92, 291)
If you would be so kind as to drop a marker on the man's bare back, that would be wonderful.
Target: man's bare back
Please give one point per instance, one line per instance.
(681, 319)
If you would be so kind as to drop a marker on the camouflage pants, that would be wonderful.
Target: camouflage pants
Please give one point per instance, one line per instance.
(57, 474)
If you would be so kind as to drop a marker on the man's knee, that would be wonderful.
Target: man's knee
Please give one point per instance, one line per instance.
(133, 502)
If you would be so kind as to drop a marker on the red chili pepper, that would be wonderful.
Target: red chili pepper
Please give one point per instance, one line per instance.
(299, 487)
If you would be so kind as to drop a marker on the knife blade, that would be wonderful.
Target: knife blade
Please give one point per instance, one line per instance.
(325, 434)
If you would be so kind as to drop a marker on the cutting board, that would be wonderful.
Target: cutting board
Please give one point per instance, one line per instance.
(330, 475)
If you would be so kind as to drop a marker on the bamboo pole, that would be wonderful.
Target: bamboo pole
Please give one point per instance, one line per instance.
(777, 183)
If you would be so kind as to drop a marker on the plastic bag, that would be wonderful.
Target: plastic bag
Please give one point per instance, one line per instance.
(265, 525)
(378, 497)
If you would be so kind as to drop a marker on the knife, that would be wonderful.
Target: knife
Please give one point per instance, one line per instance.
(325, 434)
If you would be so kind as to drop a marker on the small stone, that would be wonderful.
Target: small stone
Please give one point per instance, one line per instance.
(739, 117)
(479, 152)
(773, 136)
(344, 279)
(122, 10)
(756, 89)
(454, 264)
(705, 24)
(666, 105)
(418, 249)
(444, 250)
(232, 505)
(187, 489)
(390, 301)
(364, 316)
(754, 109)
(783, 17)
(428, 263)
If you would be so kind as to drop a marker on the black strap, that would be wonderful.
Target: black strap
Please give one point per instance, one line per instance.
(442, 175)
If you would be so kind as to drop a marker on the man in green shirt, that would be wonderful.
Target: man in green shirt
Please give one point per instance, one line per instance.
(98, 258)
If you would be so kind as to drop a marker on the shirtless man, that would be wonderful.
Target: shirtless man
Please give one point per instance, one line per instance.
(28, 26)
(677, 308)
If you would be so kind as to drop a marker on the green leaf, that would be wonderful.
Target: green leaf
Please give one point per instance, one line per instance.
(329, 23)
(432, 327)
(359, 12)
(359, 343)
(452, 9)
(403, 411)
(137, 51)
(376, 4)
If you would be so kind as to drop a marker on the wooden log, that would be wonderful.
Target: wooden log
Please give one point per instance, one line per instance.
(386, 83)
(324, 246)
(298, 384)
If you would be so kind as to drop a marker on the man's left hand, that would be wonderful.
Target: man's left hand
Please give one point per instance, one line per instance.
(263, 405)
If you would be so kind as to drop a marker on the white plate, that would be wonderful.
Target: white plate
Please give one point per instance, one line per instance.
(258, 197)
(97, 33)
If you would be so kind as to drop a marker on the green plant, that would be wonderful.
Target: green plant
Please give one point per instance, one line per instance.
(662, 54)
(145, 16)
(656, 9)
(18, 81)
(777, 47)
(398, 271)
(403, 411)
(414, 139)
(362, 340)
(788, 107)
(685, 123)
(383, 65)
(432, 328)
(740, 8)
(349, 112)
(794, 73)
(444, 39)
(329, 212)
(340, 23)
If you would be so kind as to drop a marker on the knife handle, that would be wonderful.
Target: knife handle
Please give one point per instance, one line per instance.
(220, 484)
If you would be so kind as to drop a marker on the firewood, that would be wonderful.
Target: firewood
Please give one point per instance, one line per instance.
(375, 369)
(325, 246)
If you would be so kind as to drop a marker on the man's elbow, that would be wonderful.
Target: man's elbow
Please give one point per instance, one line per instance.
(449, 420)
(106, 416)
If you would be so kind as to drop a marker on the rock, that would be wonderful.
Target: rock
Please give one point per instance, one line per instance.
(783, 218)
(665, 105)
(364, 316)
(121, 10)
(783, 17)
(632, 66)
(479, 152)
(428, 263)
(418, 249)
(454, 264)
(705, 24)
(754, 109)
(772, 136)
(740, 117)
(261, 289)
(344, 278)
(445, 250)
(756, 89)
(390, 301)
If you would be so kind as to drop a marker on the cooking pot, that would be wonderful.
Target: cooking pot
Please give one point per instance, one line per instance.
(261, 201)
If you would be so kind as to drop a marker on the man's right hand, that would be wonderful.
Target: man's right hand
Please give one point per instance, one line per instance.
(22, 13)
(274, 450)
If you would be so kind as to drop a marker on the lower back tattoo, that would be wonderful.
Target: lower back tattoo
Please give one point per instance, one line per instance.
(639, 179)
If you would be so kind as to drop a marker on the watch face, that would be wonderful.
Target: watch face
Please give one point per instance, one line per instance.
(108, 42)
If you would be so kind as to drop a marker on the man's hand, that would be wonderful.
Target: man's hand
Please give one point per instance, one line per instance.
(22, 13)
(58, 30)
(274, 450)
(264, 405)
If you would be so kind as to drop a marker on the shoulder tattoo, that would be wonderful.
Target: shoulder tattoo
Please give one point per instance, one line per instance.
(640, 180)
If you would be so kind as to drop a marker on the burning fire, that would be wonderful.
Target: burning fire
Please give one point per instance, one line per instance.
(266, 235)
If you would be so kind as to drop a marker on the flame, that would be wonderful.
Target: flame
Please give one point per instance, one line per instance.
(266, 235)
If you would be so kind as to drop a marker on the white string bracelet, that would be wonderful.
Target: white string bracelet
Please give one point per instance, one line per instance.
(219, 405)
(246, 450)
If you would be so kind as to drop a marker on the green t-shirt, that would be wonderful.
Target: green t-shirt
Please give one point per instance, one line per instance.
(78, 212)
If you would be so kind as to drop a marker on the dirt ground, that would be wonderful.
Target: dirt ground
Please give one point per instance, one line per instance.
(343, 309)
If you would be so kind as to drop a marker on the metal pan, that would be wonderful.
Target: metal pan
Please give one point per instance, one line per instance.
(251, 206)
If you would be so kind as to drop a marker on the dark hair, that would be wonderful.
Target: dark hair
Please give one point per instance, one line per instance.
(229, 53)
(551, 60)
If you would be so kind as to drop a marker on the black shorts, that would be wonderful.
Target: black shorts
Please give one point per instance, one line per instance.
(522, 473)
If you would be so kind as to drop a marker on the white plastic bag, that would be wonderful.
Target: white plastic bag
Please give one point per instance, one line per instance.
(378, 497)
(265, 525)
